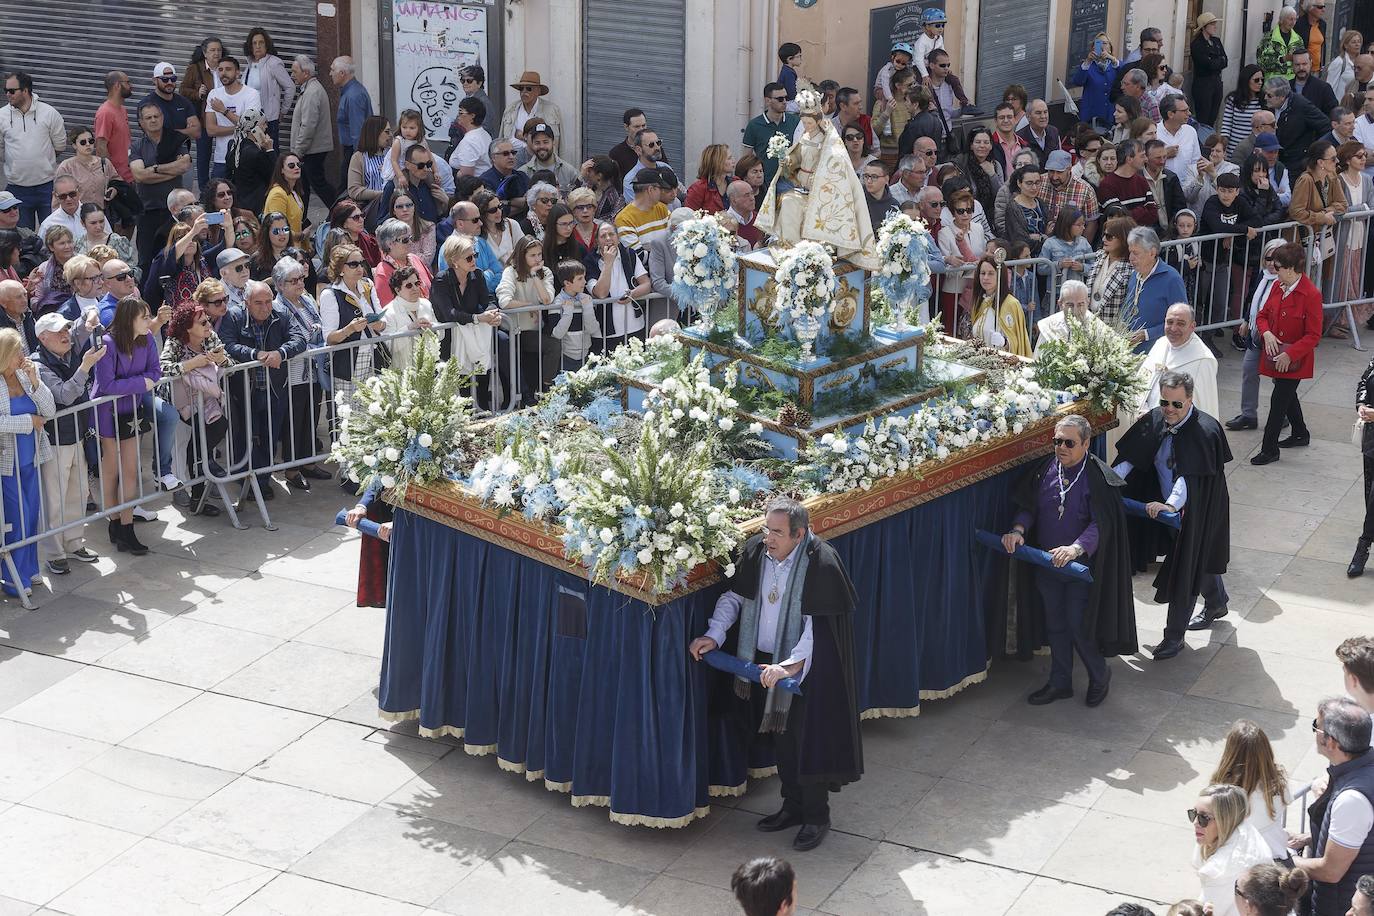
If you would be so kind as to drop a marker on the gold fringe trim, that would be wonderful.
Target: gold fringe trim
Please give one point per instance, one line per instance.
(552, 786)
(890, 712)
(443, 731)
(728, 791)
(906, 712)
(975, 678)
(583, 801)
(761, 772)
(481, 750)
(664, 823)
(398, 716)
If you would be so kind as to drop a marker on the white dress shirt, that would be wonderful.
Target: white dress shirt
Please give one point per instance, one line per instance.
(728, 607)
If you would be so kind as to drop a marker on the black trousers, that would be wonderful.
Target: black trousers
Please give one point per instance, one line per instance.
(1368, 532)
(150, 224)
(1207, 95)
(313, 179)
(214, 435)
(1214, 596)
(809, 800)
(1283, 404)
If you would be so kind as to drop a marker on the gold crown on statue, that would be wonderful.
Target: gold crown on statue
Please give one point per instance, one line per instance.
(809, 101)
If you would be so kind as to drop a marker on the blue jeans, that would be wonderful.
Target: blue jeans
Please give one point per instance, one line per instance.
(165, 416)
(35, 202)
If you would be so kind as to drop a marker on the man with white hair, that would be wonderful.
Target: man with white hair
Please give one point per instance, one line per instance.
(741, 197)
(312, 131)
(66, 200)
(259, 331)
(1152, 287)
(355, 107)
(1073, 312)
(1276, 49)
(663, 257)
(1181, 350)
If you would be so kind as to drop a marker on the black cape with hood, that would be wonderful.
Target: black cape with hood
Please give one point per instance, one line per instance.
(1202, 545)
(828, 729)
(1110, 615)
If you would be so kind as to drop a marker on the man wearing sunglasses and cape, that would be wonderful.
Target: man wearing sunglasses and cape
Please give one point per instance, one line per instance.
(1174, 460)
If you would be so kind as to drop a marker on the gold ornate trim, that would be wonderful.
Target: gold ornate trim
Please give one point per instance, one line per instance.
(728, 791)
(761, 772)
(663, 823)
(890, 712)
(398, 716)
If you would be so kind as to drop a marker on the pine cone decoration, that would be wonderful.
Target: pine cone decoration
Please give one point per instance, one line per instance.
(794, 416)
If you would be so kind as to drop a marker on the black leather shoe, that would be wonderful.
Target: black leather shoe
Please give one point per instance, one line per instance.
(810, 836)
(1202, 620)
(778, 821)
(1098, 692)
(1239, 422)
(1264, 458)
(298, 483)
(1240, 343)
(1048, 694)
(315, 473)
(1357, 562)
(1295, 441)
(1166, 649)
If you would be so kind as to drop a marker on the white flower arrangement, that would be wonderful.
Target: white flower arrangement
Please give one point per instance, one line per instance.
(705, 270)
(661, 511)
(1096, 362)
(527, 475)
(406, 426)
(778, 146)
(805, 278)
(942, 426)
(698, 410)
(903, 246)
(598, 373)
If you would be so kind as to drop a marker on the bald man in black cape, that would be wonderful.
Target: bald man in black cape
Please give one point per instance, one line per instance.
(795, 606)
(1174, 458)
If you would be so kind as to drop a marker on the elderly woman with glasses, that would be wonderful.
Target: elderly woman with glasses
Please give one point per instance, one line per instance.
(47, 282)
(582, 203)
(396, 239)
(461, 296)
(87, 281)
(307, 376)
(408, 312)
(540, 199)
(194, 358)
(350, 311)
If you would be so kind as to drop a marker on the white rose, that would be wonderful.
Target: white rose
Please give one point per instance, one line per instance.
(425, 440)
(388, 481)
(756, 428)
(375, 409)
(345, 411)
(677, 510)
(713, 518)
(701, 250)
(645, 556)
(682, 552)
(586, 548)
(839, 446)
(370, 460)
(392, 453)
(606, 535)
(609, 476)
(729, 570)
(734, 495)
(725, 423)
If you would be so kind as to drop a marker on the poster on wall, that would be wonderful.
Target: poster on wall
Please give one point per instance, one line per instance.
(430, 41)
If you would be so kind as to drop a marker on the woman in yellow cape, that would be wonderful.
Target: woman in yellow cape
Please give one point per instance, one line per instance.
(998, 321)
(816, 193)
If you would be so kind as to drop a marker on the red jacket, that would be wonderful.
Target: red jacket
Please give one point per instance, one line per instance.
(702, 195)
(1296, 320)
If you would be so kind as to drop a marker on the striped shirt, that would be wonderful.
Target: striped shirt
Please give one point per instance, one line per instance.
(1235, 122)
(637, 228)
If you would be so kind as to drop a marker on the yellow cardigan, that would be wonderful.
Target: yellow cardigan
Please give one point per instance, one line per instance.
(279, 200)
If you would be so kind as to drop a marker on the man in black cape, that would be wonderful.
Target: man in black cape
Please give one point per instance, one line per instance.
(1174, 459)
(1069, 505)
(795, 604)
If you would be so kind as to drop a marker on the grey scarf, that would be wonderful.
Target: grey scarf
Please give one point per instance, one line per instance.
(789, 630)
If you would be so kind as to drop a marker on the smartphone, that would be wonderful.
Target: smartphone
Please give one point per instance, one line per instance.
(1097, 47)
(373, 317)
(214, 219)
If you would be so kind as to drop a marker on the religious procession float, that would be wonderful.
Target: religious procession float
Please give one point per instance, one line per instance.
(550, 566)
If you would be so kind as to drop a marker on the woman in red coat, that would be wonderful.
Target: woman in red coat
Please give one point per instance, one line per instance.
(714, 175)
(1290, 322)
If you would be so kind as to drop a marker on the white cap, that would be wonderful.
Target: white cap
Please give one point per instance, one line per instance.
(53, 321)
(164, 69)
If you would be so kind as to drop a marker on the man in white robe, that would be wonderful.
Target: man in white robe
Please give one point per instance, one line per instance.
(1181, 350)
(1073, 305)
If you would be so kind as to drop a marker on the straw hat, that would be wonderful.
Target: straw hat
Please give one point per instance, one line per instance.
(530, 78)
(1206, 19)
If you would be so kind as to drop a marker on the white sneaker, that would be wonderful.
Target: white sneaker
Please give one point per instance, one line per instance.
(144, 515)
(169, 482)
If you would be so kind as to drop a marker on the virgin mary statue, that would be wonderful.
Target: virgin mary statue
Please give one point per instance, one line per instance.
(816, 194)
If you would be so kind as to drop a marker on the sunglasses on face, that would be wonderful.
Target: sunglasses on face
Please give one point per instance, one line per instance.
(469, 257)
(122, 276)
(777, 98)
(1176, 405)
(356, 265)
(547, 201)
(493, 211)
(1201, 818)
(423, 166)
(85, 141)
(238, 268)
(403, 205)
(223, 300)
(354, 216)
(9, 91)
(281, 230)
(504, 152)
(849, 137)
(467, 79)
(291, 165)
(68, 195)
(410, 284)
(1060, 442)
(166, 79)
(963, 211)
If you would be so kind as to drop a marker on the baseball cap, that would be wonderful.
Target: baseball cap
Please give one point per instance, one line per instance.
(1058, 161)
(542, 130)
(1228, 180)
(646, 178)
(667, 178)
(8, 201)
(164, 69)
(229, 256)
(1267, 141)
(53, 321)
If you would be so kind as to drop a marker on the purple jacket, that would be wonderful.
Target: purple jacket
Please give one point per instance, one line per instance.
(123, 375)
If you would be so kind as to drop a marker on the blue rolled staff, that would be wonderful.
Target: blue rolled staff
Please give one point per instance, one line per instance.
(365, 525)
(748, 670)
(1136, 507)
(1071, 570)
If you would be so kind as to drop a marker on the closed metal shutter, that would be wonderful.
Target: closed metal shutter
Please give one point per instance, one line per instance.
(1013, 41)
(69, 45)
(632, 57)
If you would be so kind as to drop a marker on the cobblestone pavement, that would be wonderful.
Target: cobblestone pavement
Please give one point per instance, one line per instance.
(195, 732)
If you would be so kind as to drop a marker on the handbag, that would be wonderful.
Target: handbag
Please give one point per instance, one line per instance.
(132, 424)
(1357, 434)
